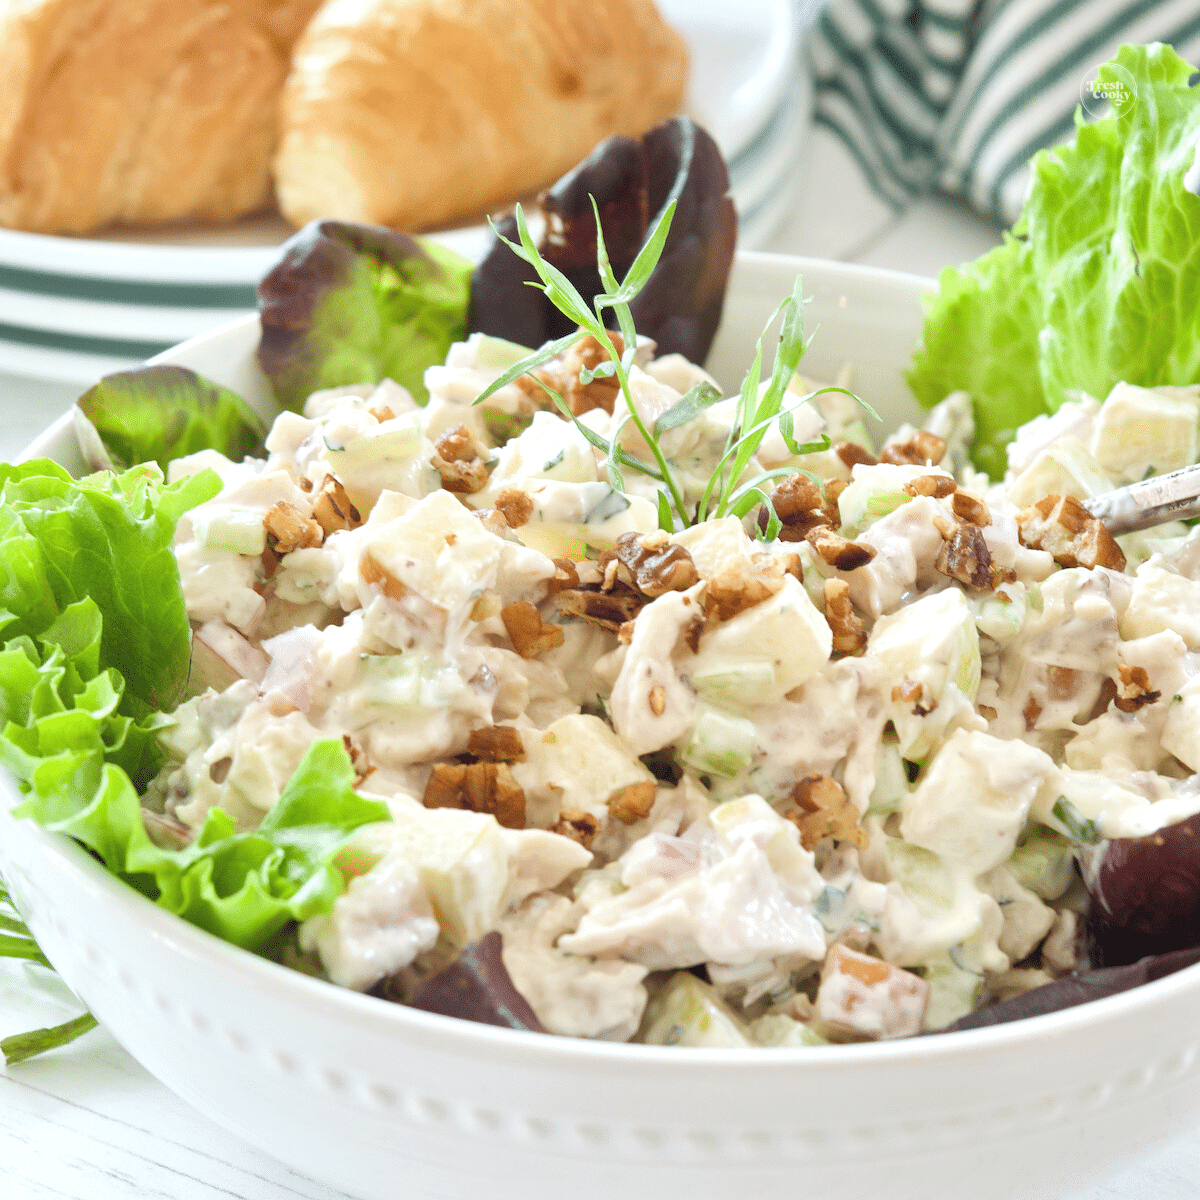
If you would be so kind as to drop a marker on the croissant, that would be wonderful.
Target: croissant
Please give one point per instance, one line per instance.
(139, 111)
(419, 113)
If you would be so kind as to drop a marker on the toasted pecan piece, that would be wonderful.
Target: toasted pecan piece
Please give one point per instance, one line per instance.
(839, 552)
(824, 810)
(459, 460)
(382, 413)
(562, 374)
(794, 496)
(854, 455)
(909, 690)
(965, 556)
(332, 507)
(577, 825)
(493, 520)
(566, 575)
(633, 803)
(937, 486)
(969, 507)
(289, 529)
(530, 634)
(516, 505)
(1071, 535)
(608, 610)
(849, 633)
(919, 449)
(373, 571)
(496, 743)
(482, 787)
(1135, 689)
(655, 564)
(743, 584)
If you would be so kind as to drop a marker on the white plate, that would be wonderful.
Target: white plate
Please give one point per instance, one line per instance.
(74, 309)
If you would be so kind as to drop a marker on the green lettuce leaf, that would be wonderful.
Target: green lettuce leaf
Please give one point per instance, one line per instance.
(108, 537)
(157, 413)
(353, 303)
(1101, 283)
(82, 763)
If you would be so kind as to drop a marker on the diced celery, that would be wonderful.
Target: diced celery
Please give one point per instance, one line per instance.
(497, 354)
(875, 492)
(240, 530)
(389, 445)
(1044, 863)
(891, 778)
(737, 684)
(720, 743)
(776, 1029)
(404, 681)
(953, 992)
(690, 1012)
(1000, 614)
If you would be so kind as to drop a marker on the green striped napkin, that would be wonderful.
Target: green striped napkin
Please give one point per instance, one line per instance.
(956, 95)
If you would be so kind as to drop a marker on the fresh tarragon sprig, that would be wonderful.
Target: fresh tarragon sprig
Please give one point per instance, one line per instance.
(17, 942)
(727, 492)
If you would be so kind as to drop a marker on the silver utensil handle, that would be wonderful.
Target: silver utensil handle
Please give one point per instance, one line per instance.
(1150, 502)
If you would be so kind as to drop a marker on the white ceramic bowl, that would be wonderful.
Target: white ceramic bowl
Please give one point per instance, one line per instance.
(386, 1102)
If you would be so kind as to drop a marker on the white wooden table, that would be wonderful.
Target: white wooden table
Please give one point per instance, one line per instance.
(88, 1123)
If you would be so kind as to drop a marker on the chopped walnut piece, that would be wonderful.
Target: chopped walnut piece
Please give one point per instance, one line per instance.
(692, 633)
(854, 455)
(625, 633)
(937, 486)
(1031, 712)
(482, 787)
(656, 565)
(633, 803)
(530, 634)
(969, 507)
(840, 552)
(493, 521)
(562, 374)
(920, 449)
(289, 529)
(516, 505)
(800, 526)
(1135, 689)
(459, 460)
(849, 633)
(608, 610)
(577, 825)
(1071, 535)
(825, 811)
(566, 575)
(372, 571)
(796, 495)
(908, 690)
(357, 758)
(658, 699)
(741, 585)
(965, 556)
(382, 413)
(332, 507)
(487, 606)
(496, 743)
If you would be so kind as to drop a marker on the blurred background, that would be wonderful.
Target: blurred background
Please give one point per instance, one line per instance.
(887, 132)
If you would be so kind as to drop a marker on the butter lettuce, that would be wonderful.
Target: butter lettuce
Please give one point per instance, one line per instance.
(355, 304)
(1101, 282)
(82, 764)
(160, 412)
(108, 537)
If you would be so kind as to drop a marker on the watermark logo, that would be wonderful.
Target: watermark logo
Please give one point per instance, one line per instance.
(1111, 96)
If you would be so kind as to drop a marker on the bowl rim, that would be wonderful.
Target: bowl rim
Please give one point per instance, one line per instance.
(327, 999)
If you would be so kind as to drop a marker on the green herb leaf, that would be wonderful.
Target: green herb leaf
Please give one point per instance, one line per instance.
(526, 365)
(21, 1046)
(1078, 827)
(666, 519)
(688, 407)
(647, 258)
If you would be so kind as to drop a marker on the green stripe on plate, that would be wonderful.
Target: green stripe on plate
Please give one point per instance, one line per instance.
(127, 291)
(77, 343)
